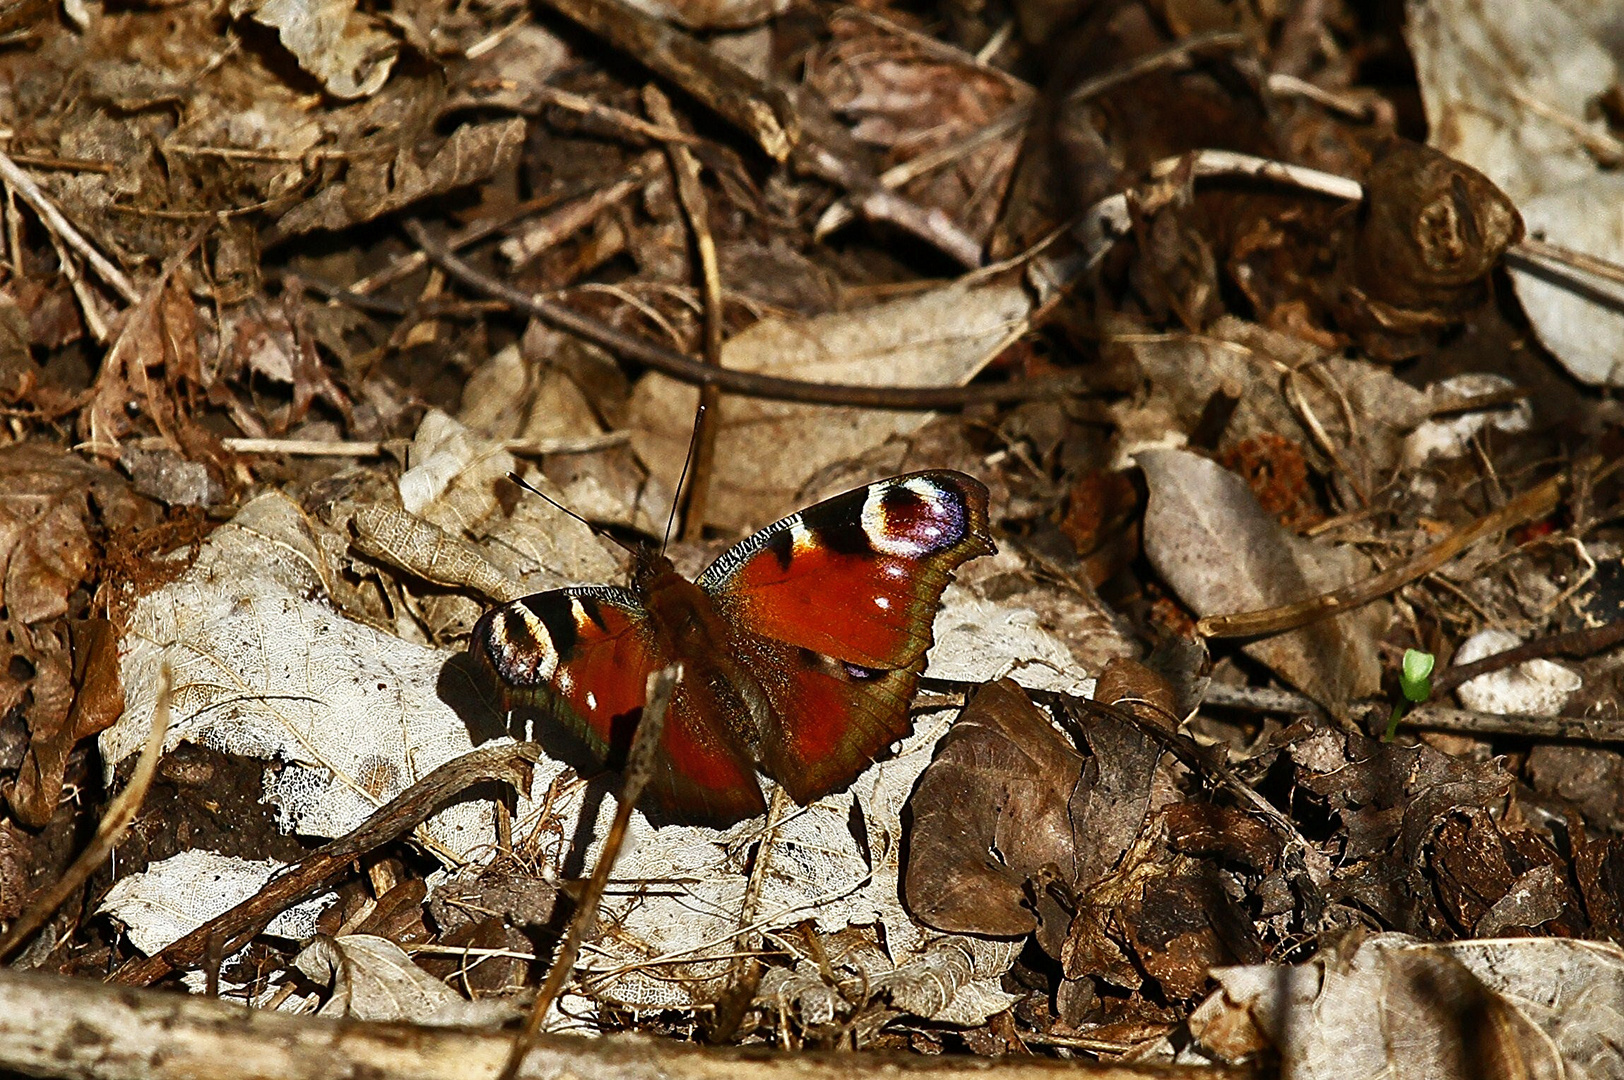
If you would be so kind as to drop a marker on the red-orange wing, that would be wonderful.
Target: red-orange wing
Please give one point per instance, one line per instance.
(857, 577)
(581, 658)
(831, 610)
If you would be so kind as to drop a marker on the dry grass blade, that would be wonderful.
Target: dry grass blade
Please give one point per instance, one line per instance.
(639, 768)
(120, 813)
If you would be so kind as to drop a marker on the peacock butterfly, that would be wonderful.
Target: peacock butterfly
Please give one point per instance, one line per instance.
(801, 646)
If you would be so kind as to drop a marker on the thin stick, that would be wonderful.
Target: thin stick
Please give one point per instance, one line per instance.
(1530, 505)
(1595, 729)
(14, 175)
(637, 773)
(670, 362)
(695, 207)
(120, 813)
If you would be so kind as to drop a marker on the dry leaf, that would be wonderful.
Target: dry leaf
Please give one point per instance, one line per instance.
(372, 978)
(1510, 88)
(767, 451)
(331, 40)
(1401, 1009)
(1210, 540)
(990, 815)
(172, 898)
(372, 188)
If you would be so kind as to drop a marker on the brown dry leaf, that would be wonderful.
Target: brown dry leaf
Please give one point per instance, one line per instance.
(990, 820)
(374, 187)
(1347, 416)
(45, 549)
(923, 101)
(331, 40)
(98, 699)
(1210, 540)
(766, 451)
(18, 371)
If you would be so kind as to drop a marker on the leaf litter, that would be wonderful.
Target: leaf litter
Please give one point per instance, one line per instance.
(259, 435)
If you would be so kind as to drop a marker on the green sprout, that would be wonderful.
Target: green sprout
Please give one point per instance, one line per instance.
(1414, 679)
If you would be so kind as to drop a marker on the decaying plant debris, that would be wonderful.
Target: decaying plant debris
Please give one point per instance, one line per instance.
(1282, 335)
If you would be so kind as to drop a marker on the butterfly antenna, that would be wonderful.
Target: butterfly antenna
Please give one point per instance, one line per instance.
(532, 489)
(693, 444)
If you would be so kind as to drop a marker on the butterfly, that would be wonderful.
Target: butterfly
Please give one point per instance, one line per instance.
(801, 647)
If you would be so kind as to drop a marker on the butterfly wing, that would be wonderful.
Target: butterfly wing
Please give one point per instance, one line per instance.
(832, 608)
(581, 658)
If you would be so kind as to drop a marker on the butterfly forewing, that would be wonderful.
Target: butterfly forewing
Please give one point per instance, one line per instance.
(578, 656)
(832, 608)
(859, 576)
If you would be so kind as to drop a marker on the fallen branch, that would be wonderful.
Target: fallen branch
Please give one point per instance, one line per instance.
(52, 1026)
(233, 929)
(638, 771)
(670, 362)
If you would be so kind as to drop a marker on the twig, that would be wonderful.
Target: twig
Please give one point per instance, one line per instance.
(61, 226)
(573, 444)
(695, 207)
(1576, 643)
(547, 232)
(1471, 722)
(1532, 504)
(617, 117)
(721, 85)
(120, 813)
(670, 362)
(1174, 56)
(509, 764)
(636, 775)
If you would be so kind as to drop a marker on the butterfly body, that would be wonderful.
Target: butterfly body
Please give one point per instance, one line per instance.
(801, 646)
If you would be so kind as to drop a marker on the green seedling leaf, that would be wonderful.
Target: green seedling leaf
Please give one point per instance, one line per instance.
(1414, 675)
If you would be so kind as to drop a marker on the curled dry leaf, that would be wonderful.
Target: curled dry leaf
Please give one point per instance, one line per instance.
(1210, 540)
(330, 39)
(1510, 88)
(372, 978)
(98, 699)
(990, 818)
(373, 187)
(1432, 230)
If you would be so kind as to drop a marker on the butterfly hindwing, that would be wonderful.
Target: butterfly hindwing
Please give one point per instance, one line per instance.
(581, 658)
(836, 717)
